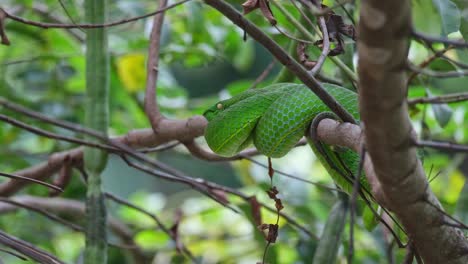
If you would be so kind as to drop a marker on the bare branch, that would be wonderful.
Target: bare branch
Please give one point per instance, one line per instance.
(3, 36)
(442, 145)
(155, 218)
(325, 48)
(43, 11)
(111, 24)
(150, 105)
(436, 74)
(18, 177)
(13, 254)
(263, 75)
(42, 170)
(431, 39)
(51, 135)
(442, 99)
(76, 210)
(215, 192)
(43, 212)
(27, 249)
(426, 62)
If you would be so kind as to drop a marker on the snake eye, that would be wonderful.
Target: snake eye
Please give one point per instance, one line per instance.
(219, 106)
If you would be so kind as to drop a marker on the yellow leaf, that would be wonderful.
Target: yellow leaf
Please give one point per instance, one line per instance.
(131, 69)
(455, 186)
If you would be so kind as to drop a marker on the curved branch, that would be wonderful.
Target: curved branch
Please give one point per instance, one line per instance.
(152, 70)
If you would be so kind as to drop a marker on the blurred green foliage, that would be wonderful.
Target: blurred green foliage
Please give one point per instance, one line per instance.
(204, 58)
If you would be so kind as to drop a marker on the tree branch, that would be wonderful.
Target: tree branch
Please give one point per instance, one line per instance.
(150, 105)
(432, 39)
(442, 99)
(384, 30)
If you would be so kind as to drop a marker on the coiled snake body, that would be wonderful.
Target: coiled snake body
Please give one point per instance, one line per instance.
(274, 119)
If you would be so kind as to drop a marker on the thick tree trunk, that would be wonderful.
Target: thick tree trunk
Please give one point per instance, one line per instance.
(383, 41)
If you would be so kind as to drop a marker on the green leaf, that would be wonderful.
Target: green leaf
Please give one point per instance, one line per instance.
(442, 113)
(463, 7)
(425, 18)
(152, 239)
(449, 14)
(442, 65)
(330, 240)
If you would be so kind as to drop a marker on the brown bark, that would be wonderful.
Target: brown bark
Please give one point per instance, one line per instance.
(383, 41)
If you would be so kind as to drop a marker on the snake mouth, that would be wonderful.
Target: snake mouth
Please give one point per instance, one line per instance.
(209, 114)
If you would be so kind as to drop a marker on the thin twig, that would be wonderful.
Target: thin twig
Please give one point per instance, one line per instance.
(263, 75)
(73, 208)
(323, 11)
(116, 145)
(457, 63)
(43, 212)
(288, 35)
(45, 12)
(432, 39)
(442, 99)
(28, 249)
(160, 148)
(323, 186)
(426, 62)
(14, 254)
(325, 48)
(111, 24)
(66, 12)
(303, 14)
(155, 218)
(437, 74)
(48, 134)
(22, 178)
(3, 36)
(37, 115)
(203, 154)
(205, 186)
(197, 184)
(441, 145)
(354, 195)
(325, 38)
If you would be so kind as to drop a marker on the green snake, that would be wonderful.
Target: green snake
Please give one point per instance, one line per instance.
(274, 119)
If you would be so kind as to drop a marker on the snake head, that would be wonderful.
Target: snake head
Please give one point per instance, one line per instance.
(213, 111)
(220, 106)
